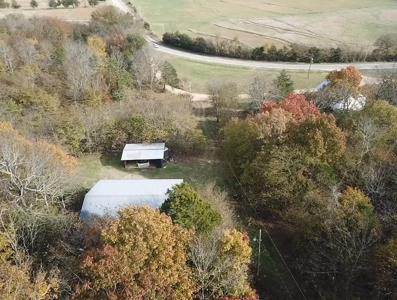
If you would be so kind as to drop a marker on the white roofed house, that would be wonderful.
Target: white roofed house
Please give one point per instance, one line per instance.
(107, 197)
(144, 155)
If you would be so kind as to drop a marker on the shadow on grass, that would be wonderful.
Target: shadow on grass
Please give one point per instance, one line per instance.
(210, 129)
(112, 160)
(196, 171)
(272, 280)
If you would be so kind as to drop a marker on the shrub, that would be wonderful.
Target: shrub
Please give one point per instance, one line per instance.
(15, 5)
(93, 2)
(53, 3)
(284, 84)
(188, 142)
(4, 4)
(34, 4)
(67, 3)
(187, 208)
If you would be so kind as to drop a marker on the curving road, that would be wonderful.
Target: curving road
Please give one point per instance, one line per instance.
(256, 64)
(268, 65)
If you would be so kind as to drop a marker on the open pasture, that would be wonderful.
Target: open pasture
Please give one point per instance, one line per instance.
(348, 23)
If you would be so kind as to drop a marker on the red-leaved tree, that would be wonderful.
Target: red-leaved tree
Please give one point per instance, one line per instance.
(296, 104)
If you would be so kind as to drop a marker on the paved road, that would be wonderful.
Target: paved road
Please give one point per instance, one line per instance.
(255, 64)
(269, 65)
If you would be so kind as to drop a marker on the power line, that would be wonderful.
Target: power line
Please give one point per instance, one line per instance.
(271, 240)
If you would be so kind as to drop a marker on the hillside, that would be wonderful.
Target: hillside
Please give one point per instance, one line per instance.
(323, 23)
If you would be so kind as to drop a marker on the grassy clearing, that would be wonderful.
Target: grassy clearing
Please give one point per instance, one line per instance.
(95, 167)
(321, 22)
(200, 73)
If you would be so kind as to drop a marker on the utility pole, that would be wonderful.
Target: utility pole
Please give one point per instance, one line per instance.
(310, 66)
(259, 251)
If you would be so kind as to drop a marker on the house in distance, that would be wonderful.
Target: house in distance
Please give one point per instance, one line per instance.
(144, 155)
(107, 197)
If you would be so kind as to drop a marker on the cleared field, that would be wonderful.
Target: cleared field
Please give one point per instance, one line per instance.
(200, 73)
(355, 23)
(78, 14)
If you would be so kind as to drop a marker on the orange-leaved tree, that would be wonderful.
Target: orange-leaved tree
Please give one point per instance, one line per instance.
(350, 76)
(140, 255)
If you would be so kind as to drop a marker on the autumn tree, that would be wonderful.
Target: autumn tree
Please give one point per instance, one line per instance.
(220, 266)
(220, 200)
(7, 56)
(239, 145)
(343, 91)
(350, 75)
(80, 69)
(386, 262)
(342, 248)
(372, 158)
(296, 104)
(32, 170)
(185, 207)
(146, 69)
(16, 279)
(98, 46)
(169, 75)
(260, 88)
(117, 77)
(224, 98)
(321, 139)
(140, 255)
(387, 89)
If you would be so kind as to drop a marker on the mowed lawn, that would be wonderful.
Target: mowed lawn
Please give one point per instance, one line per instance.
(95, 167)
(355, 23)
(199, 74)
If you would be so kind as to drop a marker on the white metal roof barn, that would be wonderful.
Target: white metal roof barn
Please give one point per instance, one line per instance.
(107, 197)
(143, 151)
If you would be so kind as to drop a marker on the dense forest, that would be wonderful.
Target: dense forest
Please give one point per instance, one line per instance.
(327, 184)
(322, 183)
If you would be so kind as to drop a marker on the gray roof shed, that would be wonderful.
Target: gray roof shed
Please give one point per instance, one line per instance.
(143, 151)
(107, 197)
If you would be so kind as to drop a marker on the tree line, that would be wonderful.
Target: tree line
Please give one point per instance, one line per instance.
(385, 49)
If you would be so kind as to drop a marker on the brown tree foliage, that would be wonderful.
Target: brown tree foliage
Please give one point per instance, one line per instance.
(141, 255)
(17, 278)
(32, 168)
(386, 261)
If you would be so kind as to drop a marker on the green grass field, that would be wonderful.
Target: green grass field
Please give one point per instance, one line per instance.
(355, 23)
(200, 73)
(96, 167)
